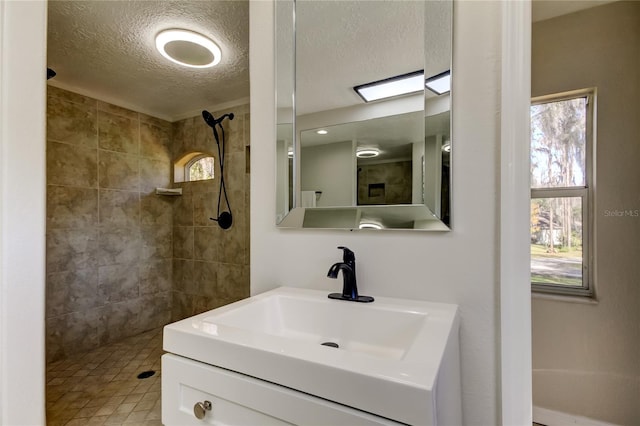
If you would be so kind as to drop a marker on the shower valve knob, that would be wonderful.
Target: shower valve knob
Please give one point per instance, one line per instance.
(200, 409)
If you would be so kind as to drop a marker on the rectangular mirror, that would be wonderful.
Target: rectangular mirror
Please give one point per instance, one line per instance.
(345, 160)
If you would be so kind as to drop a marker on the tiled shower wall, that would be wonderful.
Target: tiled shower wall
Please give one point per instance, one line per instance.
(211, 265)
(120, 259)
(385, 183)
(109, 245)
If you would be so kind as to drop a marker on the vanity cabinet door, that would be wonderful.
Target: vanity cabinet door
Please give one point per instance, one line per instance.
(192, 389)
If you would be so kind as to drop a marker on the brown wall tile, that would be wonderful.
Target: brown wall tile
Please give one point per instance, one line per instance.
(119, 320)
(71, 165)
(232, 282)
(119, 171)
(118, 245)
(71, 291)
(119, 208)
(155, 142)
(71, 123)
(69, 207)
(156, 210)
(65, 95)
(114, 109)
(206, 242)
(182, 274)
(117, 283)
(156, 310)
(183, 242)
(231, 248)
(205, 278)
(183, 210)
(72, 249)
(150, 179)
(73, 333)
(155, 276)
(116, 133)
(157, 242)
(205, 206)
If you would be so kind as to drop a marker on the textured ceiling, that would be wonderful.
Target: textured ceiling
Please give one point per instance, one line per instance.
(342, 44)
(106, 49)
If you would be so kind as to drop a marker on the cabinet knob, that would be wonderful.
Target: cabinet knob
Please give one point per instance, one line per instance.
(200, 409)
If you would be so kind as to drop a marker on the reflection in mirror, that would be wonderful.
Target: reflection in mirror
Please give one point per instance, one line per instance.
(285, 80)
(343, 162)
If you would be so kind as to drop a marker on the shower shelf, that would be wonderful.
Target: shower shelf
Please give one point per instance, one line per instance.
(168, 191)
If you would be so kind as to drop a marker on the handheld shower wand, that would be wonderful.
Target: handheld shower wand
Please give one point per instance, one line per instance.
(224, 219)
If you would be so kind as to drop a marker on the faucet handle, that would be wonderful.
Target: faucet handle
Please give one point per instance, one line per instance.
(347, 256)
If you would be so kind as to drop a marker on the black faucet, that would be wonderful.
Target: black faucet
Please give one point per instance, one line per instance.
(348, 268)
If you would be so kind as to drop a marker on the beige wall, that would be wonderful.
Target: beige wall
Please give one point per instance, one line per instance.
(586, 357)
(211, 264)
(108, 234)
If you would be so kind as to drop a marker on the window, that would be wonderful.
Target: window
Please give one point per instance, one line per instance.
(200, 168)
(194, 166)
(562, 151)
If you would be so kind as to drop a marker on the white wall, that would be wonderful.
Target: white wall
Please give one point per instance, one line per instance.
(329, 168)
(460, 266)
(22, 211)
(586, 357)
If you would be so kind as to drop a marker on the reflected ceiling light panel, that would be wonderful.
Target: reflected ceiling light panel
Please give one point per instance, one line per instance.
(188, 48)
(322, 132)
(370, 225)
(367, 152)
(391, 87)
(446, 147)
(290, 152)
(439, 84)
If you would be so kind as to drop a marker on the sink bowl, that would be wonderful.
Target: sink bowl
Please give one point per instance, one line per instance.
(384, 357)
(376, 330)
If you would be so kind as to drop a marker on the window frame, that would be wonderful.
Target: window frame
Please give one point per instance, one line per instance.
(586, 194)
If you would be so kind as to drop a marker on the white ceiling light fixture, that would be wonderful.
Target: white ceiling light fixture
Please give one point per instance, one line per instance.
(188, 48)
(439, 84)
(322, 132)
(370, 225)
(367, 152)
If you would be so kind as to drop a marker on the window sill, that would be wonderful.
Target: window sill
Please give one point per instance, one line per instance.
(567, 298)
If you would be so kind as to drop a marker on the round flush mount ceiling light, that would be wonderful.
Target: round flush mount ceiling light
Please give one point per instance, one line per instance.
(322, 132)
(367, 152)
(370, 225)
(188, 48)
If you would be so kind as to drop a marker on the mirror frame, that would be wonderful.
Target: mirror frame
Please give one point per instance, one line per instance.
(291, 214)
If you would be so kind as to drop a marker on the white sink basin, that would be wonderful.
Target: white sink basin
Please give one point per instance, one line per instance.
(376, 330)
(387, 362)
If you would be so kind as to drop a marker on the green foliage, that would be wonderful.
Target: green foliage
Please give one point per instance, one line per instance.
(202, 169)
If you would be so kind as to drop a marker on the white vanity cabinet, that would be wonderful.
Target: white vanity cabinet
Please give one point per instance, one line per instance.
(295, 356)
(228, 398)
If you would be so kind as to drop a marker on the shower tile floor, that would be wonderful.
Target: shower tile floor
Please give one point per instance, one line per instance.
(101, 387)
